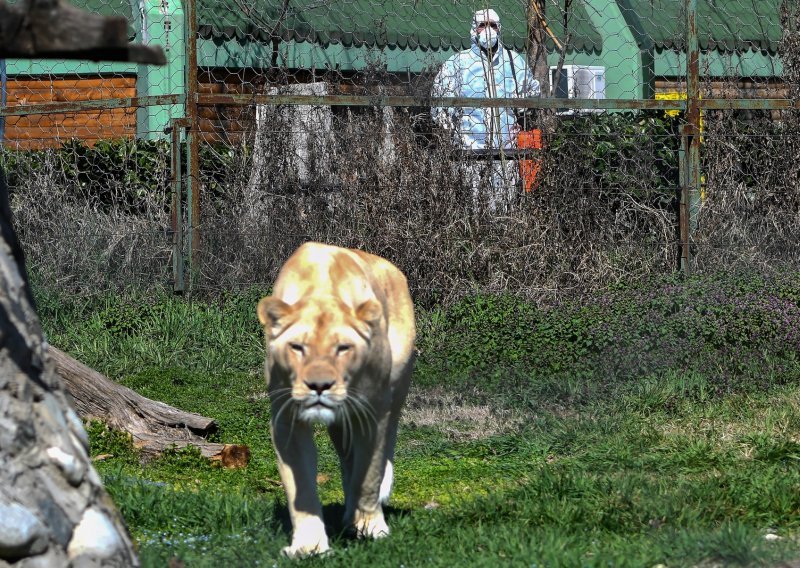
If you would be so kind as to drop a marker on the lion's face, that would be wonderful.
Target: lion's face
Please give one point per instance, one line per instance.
(318, 349)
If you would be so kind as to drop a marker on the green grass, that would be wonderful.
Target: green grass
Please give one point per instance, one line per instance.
(528, 466)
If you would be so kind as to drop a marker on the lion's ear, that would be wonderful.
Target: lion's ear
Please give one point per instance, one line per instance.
(370, 312)
(271, 311)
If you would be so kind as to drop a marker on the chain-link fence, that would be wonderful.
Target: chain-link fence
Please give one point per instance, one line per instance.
(541, 146)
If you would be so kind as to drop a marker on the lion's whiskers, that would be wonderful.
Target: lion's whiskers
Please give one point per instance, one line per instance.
(288, 401)
(359, 406)
(347, 425)
(295, 410)
(350, 411)
(361, 400)
(277, 394)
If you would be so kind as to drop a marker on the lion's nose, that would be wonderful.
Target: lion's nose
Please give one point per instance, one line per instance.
(319, 385)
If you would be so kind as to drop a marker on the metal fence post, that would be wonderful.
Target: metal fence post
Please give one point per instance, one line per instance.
(193, 186)
(690, 142)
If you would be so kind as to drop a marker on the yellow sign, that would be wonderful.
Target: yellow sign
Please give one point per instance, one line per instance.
(677, 96)
(681, 96)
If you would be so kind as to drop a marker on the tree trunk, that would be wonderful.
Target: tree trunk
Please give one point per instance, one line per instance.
(537, 50)
(53, 508)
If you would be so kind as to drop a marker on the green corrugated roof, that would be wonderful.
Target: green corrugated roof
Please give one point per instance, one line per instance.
(411, 24)
(726, 25)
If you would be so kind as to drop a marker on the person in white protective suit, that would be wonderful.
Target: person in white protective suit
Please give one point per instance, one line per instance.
(487, 69)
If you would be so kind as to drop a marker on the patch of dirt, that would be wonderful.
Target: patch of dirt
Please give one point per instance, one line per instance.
(456, 418)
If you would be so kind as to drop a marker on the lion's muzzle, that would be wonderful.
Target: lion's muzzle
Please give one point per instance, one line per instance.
(321, 393)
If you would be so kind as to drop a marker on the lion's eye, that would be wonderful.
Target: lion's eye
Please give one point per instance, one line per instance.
(343, 348)
(297, 348)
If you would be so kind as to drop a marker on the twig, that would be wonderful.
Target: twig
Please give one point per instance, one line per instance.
(543, 22)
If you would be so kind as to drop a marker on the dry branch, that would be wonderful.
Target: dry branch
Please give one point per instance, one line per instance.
(154, 426)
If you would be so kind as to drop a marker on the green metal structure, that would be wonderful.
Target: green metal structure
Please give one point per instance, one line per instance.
(161, 23)
(635, 40)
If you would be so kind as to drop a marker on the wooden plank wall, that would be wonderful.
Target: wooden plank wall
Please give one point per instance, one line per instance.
(50, 130)
(218, 123)
(225, 123)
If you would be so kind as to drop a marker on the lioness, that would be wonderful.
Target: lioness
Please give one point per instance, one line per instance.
(339, 332)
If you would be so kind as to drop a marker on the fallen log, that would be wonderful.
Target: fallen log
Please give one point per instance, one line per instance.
(153, 425)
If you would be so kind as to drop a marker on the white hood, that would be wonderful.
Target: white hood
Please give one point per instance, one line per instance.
(486, 15)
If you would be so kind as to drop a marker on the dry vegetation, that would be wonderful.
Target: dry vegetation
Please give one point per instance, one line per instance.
(606, 211)
(751, 213)
(83, 239)
(405, 196)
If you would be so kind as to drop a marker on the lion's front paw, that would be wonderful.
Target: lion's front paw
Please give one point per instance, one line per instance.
(371, 525)
(308, 539)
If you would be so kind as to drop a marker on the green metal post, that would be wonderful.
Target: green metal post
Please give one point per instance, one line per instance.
(178, 261)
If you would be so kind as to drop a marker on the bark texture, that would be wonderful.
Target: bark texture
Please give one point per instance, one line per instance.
(53, 508)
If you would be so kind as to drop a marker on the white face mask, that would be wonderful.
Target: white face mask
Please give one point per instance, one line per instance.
(487, 38)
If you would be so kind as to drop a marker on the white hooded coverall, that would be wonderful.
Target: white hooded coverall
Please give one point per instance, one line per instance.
(480, 73)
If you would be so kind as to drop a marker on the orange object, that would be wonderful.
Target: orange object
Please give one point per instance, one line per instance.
(529, 169)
